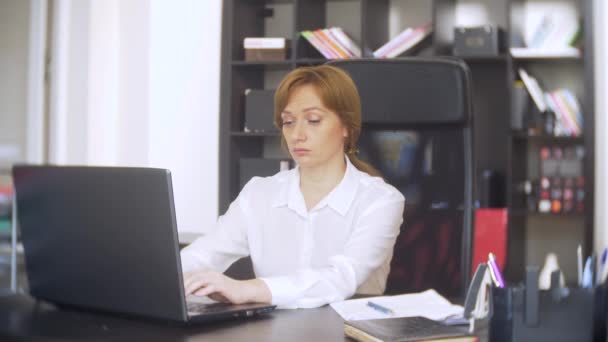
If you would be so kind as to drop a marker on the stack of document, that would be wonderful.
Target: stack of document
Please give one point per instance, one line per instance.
(427, 304)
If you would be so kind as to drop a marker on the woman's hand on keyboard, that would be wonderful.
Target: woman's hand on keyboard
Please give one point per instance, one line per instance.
(225, 289)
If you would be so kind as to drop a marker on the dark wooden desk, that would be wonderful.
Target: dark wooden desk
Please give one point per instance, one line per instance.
(24, 318)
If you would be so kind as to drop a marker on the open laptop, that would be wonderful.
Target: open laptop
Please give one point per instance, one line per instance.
(105, 238)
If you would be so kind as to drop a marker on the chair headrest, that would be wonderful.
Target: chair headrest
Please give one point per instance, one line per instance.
(412, 91)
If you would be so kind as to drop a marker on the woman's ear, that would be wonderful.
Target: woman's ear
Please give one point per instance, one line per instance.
(345, 132)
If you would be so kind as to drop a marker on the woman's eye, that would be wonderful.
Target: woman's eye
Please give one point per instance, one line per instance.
(314, 121)
(287, 123)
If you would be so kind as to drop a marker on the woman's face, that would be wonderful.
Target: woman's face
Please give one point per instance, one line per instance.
(314, 134)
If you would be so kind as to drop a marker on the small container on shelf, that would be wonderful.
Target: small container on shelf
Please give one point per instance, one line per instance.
(262, 49)
(259, 111)
(487, 40)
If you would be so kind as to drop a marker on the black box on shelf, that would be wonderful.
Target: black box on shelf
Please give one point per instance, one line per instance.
(485, 40)
(259, 111)
(260, 167)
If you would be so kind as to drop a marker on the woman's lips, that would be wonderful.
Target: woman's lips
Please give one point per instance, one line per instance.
(300, 151)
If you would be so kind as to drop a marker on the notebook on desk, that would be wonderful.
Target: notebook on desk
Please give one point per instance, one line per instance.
(404, 329)
(105, 239)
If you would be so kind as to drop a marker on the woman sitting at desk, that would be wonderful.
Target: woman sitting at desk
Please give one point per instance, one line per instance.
(318, 233)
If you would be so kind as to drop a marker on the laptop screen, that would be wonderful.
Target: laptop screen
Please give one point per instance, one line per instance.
(101, 237)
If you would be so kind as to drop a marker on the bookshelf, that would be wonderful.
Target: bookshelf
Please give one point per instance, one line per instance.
(371, 23)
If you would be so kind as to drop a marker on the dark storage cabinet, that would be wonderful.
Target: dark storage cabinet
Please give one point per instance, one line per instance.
(509, 154)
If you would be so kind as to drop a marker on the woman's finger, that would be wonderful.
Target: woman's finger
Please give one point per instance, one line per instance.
(196, 283)
(188, 279)
(191, 277)
(219, 297)
(205, 291)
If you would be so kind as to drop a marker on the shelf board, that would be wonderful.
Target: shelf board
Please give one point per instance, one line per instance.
(285, 63)
(470, 59)
(549, 59)
(517, 135)
(255, 134)
(484, 59)
(547, 215)
(312, 60)
(525, 54)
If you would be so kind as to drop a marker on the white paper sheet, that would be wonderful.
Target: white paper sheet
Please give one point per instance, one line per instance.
(428, 304)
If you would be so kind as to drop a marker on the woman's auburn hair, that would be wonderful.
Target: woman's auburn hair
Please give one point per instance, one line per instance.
(338, 93)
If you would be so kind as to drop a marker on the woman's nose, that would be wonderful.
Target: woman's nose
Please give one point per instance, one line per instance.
(299, 131)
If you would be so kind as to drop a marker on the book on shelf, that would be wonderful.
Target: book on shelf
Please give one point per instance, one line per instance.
(317, 44)
(404, 41)
(534, 89)
(345, 41)
(332, 43)
(567, 111)
(560, 105)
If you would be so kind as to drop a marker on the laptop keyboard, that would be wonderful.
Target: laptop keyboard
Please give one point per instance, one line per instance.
(206, 308)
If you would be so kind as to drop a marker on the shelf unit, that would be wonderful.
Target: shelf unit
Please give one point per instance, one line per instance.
(373, 22)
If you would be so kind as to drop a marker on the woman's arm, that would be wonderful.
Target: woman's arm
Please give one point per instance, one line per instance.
(205, 259)
(226, 243)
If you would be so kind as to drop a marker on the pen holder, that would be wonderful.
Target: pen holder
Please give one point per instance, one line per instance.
(525, 313)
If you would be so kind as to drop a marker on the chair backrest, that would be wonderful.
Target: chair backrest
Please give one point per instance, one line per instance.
(417, 130)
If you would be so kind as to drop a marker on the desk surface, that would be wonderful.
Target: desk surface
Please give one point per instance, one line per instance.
(22, 316)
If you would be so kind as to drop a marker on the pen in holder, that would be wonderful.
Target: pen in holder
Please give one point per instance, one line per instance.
(526, 313)
(477, 306)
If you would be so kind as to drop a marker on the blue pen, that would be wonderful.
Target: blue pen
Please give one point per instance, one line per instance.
(380, 308)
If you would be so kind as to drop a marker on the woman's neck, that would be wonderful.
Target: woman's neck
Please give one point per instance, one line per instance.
(323, 178)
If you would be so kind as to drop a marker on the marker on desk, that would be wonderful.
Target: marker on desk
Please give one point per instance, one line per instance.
(380, 308)
(587, 274)
(579, 265)
(602, 268)
(492, 275)
(494, 267)
(593, 268)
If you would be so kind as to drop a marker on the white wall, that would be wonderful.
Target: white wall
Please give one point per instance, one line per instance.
(136, 83)
(14, 49)
(184, 104)
(600, 34)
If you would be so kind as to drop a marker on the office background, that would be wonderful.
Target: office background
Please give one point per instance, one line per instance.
(137, 83)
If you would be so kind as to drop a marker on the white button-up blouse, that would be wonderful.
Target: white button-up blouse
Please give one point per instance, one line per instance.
(307, 258)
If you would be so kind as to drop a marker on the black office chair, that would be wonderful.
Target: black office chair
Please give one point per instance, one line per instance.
(417, 130)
